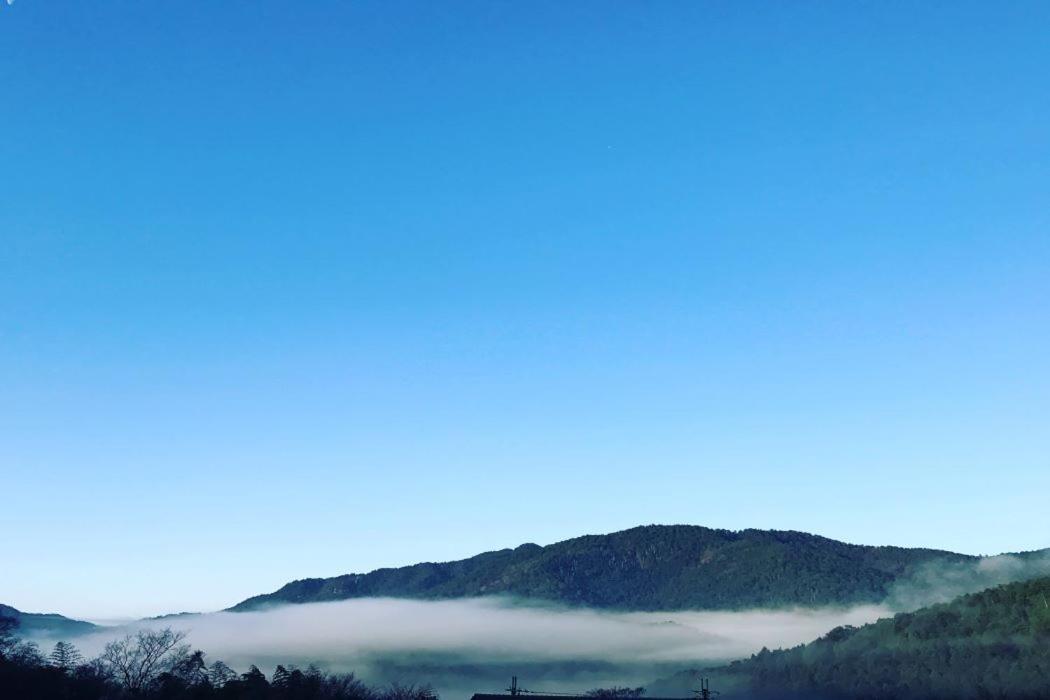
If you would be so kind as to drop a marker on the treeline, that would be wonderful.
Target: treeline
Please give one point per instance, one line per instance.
(158, 665)
(656, 567)
(993, 644)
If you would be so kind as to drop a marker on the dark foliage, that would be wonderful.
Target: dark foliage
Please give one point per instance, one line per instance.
(993, 644)
(616, 692)
(645, 568)
(179, 675)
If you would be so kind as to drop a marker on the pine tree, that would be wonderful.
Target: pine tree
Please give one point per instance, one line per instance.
(219, 674)
(280, 677)
(255, 679)
(66, 657)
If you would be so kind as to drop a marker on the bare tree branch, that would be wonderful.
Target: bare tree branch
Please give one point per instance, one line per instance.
(137, 660)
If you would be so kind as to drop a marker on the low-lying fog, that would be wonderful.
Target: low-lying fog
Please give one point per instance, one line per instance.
(462, 646)
(487, 639)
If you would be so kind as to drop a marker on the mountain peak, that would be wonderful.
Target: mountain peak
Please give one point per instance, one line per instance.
(649, 567)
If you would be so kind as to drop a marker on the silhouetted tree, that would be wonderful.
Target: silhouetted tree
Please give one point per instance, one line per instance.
(155, 665)
(66, 657)
(8, 625)
(399, 691)
(616, 692)
(219, 674)
(137, 660)
(348, 687)
(253, 684)
(280, 677)
(191, 669)
(25, 653)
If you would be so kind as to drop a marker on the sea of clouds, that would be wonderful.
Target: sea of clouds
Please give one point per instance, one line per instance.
(476, 644)
(457, 643)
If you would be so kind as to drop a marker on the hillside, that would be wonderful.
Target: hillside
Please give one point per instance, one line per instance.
(992, 644)
(645, 568)
(46, 624)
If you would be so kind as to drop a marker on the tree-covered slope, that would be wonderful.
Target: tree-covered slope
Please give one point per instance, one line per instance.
(46, 624)
(645, 568)
(992, 644)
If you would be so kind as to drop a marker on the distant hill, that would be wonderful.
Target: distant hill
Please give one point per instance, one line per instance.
(653, 567)
(46, 624)
(992, 644)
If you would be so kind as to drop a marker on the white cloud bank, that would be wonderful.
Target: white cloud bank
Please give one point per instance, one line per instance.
(350, 633)
(939, 582)
(457, 643)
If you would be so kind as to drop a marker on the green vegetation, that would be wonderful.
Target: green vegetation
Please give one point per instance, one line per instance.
(646, 568)
(992, 644)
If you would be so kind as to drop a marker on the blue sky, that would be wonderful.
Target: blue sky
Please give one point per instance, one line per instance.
(293, 289)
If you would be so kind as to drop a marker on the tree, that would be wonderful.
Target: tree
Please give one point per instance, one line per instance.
(346, 686)
(23, 653)
(8, 625)
(191, 669)
(280, 677)
(137, 660)
(66, 657)
(254, 683)
(219, 674)
(410, 691)
(616, 692)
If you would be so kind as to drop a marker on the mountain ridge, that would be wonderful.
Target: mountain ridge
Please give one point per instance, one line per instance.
(993, 643)
(649, 567)
(50, 625)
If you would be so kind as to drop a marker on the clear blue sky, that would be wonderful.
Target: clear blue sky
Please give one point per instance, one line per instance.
(303, 288)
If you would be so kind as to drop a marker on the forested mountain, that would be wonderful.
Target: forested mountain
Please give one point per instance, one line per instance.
(992, 644)
(46, 624)
(646, 568)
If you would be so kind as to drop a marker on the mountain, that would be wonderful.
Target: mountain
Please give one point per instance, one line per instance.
(46, 624)
(992, 644)
(655, 567)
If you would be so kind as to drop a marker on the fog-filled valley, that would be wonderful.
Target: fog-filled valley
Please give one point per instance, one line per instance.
(462, 646)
